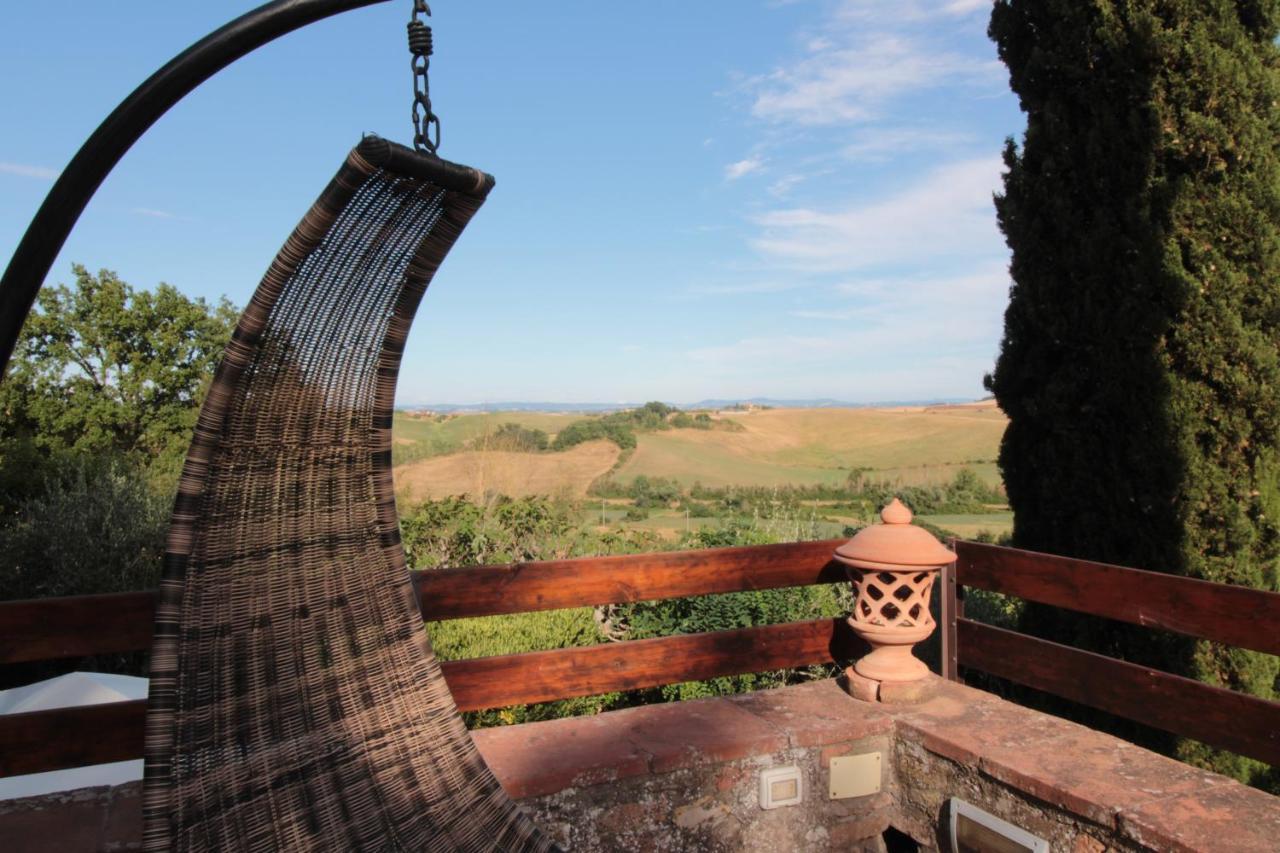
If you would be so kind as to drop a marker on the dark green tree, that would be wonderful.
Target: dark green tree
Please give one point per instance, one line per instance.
(95, 415)
(102, 367)
(1139, 367)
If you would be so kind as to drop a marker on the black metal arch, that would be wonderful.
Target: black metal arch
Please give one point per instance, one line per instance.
(126, 124)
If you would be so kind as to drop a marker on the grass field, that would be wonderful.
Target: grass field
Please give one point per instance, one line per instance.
(909, 446)
(912, 446)
(424, 437)
(969, 526)
(502, 472)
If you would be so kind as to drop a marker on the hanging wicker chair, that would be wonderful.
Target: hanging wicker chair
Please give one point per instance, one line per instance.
(295, 701)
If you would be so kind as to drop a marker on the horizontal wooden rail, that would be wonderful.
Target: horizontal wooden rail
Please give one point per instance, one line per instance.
(553, 584)
(1238, 722)
(51, 628)
(1231, 615)
(75, 626)
(631, 665)
(90, 734)
(71, 737)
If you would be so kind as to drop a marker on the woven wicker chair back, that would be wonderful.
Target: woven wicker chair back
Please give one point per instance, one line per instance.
(295, 701)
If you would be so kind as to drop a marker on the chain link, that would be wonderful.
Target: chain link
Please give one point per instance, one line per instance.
(426, 124)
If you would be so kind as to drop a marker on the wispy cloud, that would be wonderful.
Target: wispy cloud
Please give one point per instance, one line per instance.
(882, 143)
(786, 183)
(868, 53)
(965, 7)
(26, 170)
(946, 215)
(743, 167)
(908, 11)
(153, 213)
(848, 83)
(893, 338)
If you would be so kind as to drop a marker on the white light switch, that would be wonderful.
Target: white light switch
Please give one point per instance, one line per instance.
(780, 786)
(855, 775)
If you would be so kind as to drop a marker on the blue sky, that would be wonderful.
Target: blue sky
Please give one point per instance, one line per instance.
(719, 198)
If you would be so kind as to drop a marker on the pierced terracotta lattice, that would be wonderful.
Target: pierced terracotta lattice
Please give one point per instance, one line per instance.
(893, 599)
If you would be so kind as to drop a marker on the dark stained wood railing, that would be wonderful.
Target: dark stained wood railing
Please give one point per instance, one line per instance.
(56, 628)
(51, 628)
(1230, 615)
(46, 629)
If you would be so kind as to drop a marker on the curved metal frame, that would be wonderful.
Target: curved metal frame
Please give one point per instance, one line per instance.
(126, 124)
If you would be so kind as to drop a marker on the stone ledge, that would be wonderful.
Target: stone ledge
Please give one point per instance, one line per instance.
(541, 758)
(1079, 786)
(1144, 797)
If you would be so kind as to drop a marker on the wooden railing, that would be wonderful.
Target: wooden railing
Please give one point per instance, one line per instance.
(1230, 615)
(47, 629)
(70, 627)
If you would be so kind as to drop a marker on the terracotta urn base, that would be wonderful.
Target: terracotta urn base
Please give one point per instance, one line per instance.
(891, 663)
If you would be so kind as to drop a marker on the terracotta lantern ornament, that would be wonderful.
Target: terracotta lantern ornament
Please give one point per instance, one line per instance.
(892, 567)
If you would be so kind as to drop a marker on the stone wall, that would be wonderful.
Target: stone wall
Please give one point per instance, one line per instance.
(685, 777)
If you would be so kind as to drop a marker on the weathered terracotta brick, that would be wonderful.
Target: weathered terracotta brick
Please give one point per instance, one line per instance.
(963, 724)
(815, 714)
(541, 758)
(1226, 816)
(688, 734)
(1090, 773)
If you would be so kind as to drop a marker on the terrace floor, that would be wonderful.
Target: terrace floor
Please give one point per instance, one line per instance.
(685, 776)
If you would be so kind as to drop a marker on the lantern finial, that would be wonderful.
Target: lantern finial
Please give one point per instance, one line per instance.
(896, 512)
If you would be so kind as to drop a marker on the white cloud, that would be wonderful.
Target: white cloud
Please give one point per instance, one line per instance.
(784, 185)
(743, 167)
(965, 7)
(913, 337)
(28, 171)
(849, 83)
(867, 53)
(966, 297)
(152, 213)
(908, 11)
(879, 144)
(949, 214)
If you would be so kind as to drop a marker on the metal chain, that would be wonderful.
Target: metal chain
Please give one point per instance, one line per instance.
(426, 124)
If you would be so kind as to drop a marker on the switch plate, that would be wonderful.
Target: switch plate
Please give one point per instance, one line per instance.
(855, 775)
(780, 786)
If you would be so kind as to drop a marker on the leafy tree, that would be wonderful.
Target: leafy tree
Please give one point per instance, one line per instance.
(1139, 367)
(97, 408)
(513, 437)
(95, 412)
(104, 367)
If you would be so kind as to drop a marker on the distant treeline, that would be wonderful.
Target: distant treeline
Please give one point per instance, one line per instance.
(966, 493)
(619, 427)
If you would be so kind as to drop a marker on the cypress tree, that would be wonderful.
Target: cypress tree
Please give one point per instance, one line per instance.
(1140, 365)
